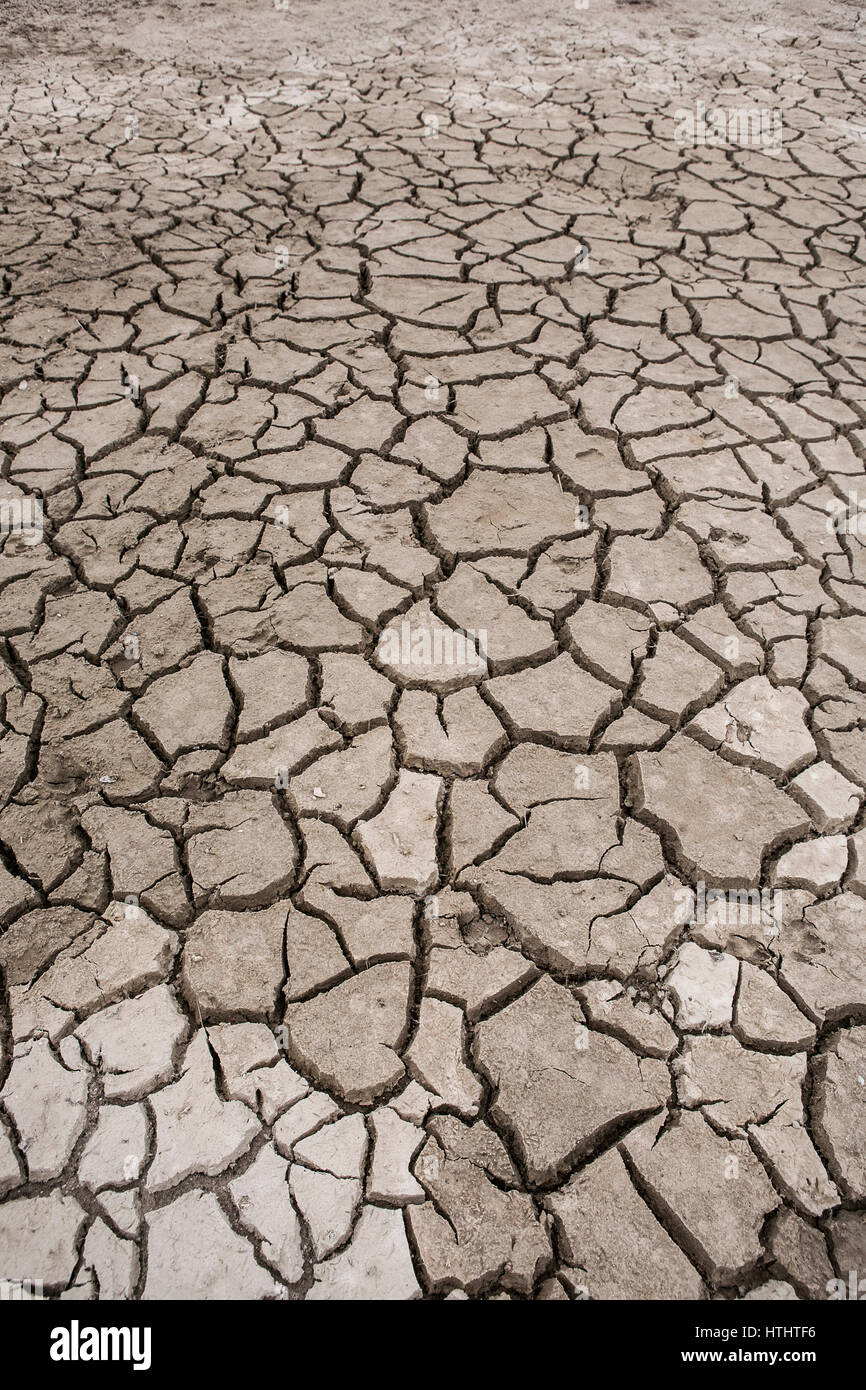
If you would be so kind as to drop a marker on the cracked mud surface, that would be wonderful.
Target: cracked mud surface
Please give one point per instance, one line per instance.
(432, 855)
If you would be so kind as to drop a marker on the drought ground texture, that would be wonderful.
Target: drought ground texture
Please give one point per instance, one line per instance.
(434, 651)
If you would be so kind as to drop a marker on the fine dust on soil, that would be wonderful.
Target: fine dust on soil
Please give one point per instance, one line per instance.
(501, 37)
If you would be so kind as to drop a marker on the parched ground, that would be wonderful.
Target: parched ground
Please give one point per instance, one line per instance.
(433, 650)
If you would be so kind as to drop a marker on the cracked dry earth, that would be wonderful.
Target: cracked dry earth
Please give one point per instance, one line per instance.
(337, 963)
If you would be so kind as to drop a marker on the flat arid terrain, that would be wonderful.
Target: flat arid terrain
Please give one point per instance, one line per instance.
(433, 650)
